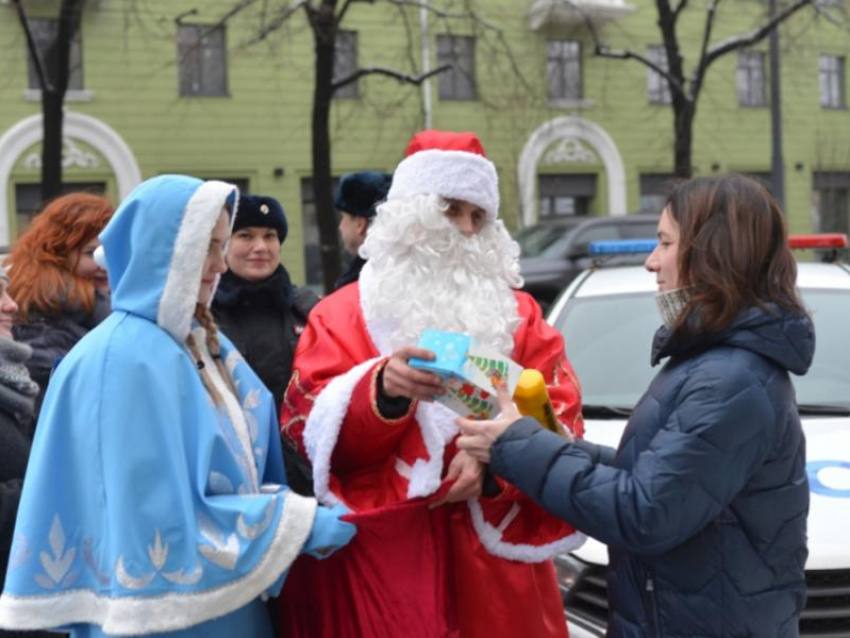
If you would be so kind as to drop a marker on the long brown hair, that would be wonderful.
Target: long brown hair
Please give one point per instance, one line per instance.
(41, 272)
(733, 249)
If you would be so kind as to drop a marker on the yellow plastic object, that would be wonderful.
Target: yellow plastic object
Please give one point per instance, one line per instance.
(532, 399)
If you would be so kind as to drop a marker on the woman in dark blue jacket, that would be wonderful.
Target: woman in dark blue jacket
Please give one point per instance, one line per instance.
(703, 504)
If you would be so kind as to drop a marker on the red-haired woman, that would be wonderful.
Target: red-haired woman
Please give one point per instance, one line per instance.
(61, 292)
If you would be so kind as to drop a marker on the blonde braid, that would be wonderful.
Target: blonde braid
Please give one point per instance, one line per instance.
(205, 375)
(205, 318)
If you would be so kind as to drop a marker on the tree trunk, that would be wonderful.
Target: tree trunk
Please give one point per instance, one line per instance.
(683, 125)
(324, 31)
(57, 68)
(51, 145)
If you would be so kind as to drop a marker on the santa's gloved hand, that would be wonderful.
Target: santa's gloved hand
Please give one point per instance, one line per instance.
(329, 533)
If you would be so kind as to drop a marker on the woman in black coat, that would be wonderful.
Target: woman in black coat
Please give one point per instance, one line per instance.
(703, 504)
(17, 399)
(260, 310)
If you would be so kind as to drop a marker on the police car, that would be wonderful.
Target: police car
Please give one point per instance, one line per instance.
(608, 317)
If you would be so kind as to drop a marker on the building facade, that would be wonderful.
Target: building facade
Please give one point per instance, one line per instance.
(223, 89)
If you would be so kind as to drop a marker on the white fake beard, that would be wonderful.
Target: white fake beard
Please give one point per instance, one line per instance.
(422, 272)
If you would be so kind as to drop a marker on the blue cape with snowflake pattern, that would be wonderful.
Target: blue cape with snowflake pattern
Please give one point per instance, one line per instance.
(146, 508)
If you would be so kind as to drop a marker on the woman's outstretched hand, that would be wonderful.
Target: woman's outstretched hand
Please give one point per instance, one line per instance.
(478, 436)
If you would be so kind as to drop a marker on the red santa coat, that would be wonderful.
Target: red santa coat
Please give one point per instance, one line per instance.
(464, 570)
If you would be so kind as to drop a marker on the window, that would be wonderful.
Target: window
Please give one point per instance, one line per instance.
(44, 33)
(831, 198)
(751, 78)
(566, 194)
(654, 188)
(563, 69)
(345, 63)
(202, 59)
(29, 202)
(458, 83)
(831, 71)
(656, 84)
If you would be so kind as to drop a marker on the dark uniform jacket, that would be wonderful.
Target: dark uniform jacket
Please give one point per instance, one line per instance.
(703, 505)
(352, 273)
(264, 320)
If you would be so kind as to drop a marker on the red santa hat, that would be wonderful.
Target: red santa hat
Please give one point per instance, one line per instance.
(449, 164)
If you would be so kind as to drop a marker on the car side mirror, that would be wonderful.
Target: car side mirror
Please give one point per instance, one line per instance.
(578, 251)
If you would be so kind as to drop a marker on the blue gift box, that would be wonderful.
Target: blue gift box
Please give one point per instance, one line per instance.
(467, 368)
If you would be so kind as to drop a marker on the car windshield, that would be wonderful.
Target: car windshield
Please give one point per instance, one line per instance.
(539, 240)
(610, 354)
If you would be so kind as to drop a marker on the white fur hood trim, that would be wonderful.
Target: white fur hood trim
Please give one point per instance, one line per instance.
(179, 297)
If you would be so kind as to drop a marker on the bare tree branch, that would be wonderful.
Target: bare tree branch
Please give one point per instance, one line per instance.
(243, 4)
(411, 55)
(43, 80)
(346, 6)
(440, 13)
(751, 38)
(627, 54)
(403, 78)
(679, 8)
(824, 10)
(604, 51)
(279, 20)
(699, 72)
(667, 20)
(178, 19)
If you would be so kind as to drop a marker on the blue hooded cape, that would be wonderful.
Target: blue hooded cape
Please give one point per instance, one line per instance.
(147, 508)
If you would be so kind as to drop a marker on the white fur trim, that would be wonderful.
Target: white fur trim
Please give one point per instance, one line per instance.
(437, 426)
(491, 538)
(180, 295)
(323, 425)
(167, 612)
(451, 174)
(403, 468)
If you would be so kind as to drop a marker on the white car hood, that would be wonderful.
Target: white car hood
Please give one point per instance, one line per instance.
(828, 465)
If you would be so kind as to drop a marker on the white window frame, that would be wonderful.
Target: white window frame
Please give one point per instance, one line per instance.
(38, 27)
(751, 78)
(832, 81)
(657, 88)
(203, 42)
(458, 83)
(345, 63)
(564, 78)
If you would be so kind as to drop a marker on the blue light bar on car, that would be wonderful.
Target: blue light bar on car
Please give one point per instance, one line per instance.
(622, 246)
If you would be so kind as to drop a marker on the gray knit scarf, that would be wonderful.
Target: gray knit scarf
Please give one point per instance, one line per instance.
(671, 304)
(17, 390)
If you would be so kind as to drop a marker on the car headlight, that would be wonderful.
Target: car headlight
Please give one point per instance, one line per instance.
(568, 571)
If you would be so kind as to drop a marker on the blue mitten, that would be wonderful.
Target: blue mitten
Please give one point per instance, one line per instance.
(329, 532)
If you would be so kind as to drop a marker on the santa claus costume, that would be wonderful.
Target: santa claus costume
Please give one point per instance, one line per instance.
(479, 568)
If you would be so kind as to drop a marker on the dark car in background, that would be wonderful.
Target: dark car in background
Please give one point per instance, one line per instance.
(555, 251)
